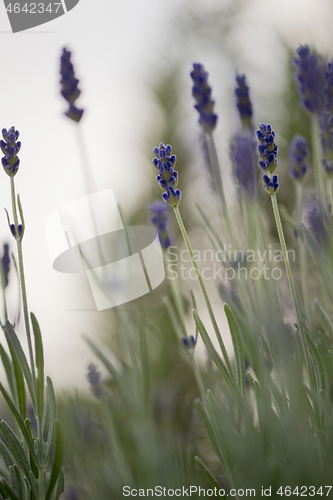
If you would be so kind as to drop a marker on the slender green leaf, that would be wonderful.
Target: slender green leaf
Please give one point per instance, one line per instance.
(19, 379)
(209, 429)
(19, 485)
(12, 338)
(60, 484)
(52, 404)
(238, 349)
(6, 491)
(325, 317)
(18, 453)
(317, 363)
(57, 461)
(250, 379)
(209, 475)
(9, 369)
(20, 421)
(3, 491)
(6, 455)
(39, 364)
(212, 351)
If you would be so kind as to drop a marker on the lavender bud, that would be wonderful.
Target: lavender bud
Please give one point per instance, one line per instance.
(309, 74)
(298, 152)
(69, 86)
(201, 91)
(167, 176)
(10, 149)
(94, 378)
(243, 102)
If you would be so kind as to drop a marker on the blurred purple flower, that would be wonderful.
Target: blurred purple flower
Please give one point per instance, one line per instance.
(202, 93)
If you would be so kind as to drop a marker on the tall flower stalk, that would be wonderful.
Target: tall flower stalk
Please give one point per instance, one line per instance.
(299, 152)
(268, 150)
(310, 79)
(39, 452)
(167, 177)
(202, 94)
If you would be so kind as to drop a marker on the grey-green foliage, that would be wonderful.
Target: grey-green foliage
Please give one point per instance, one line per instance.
(139, 430)
(26, 456)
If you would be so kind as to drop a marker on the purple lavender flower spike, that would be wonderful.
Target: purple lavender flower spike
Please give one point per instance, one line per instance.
(243, 102)
(167, 177)
(309, 74)
(160, 217)
(94, 379)
(10, 148)
(328, 91)
(299, 151)
(267, 148)
(69, 86)
(243, 159)
(271, 185)
(202, 93)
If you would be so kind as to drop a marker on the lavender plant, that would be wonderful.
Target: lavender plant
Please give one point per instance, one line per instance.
(237, 411)
(33, 464)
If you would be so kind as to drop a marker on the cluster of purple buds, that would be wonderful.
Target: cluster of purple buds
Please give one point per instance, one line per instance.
(10, 148)
(328, 90)
(309, 74)
(69, 86)
(167, 177)
(243, 102)
(326, 123)
(298, 152)
(189, 343)
(94, 379)
(267, 150)
(326, 132)
(202, 93)
(160, 217)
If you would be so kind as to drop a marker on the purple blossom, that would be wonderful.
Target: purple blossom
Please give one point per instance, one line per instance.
(310, 77)
(298, 152)
(94, 379)
(243, 102)
(10, 148)
(267, 148)
(167, 177)
(69, 86)
(202, 93)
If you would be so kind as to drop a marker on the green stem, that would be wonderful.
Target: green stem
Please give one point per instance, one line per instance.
(204, 291)
(218, 180)
(22, 280)
(303, 260)
(41, 483)
(291, 283)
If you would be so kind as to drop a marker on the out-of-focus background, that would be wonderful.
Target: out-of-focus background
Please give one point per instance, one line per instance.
(133, 60)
